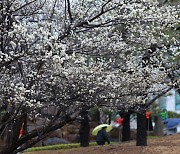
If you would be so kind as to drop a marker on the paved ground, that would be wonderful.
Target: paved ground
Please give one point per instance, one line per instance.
(161, 145)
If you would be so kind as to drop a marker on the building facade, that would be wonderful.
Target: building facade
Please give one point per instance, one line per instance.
(170, 102)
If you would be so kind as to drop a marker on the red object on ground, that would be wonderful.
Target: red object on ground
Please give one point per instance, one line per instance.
(120, 121)
(148, 114)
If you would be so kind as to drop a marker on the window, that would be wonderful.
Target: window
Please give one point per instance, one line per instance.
(177, 100)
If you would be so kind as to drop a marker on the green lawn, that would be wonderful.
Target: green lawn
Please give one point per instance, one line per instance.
(58, 146)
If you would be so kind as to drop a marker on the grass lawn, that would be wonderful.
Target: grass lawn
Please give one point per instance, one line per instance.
(57, 146)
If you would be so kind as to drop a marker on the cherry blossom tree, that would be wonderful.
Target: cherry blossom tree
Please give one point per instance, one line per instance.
(57, 57)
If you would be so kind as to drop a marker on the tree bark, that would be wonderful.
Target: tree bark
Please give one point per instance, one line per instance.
(126, 127)
(141, 139)
(84, 129)
(158, 129)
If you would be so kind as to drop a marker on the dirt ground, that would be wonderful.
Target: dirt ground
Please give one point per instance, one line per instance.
(161, 145)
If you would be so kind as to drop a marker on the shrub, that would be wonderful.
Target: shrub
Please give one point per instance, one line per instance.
(173, 114)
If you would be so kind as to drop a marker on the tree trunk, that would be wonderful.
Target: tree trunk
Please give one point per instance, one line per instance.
(12, 135)
(141, 139)
(25, 118)
(84, 129)
(158, 129)
(126, 127)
